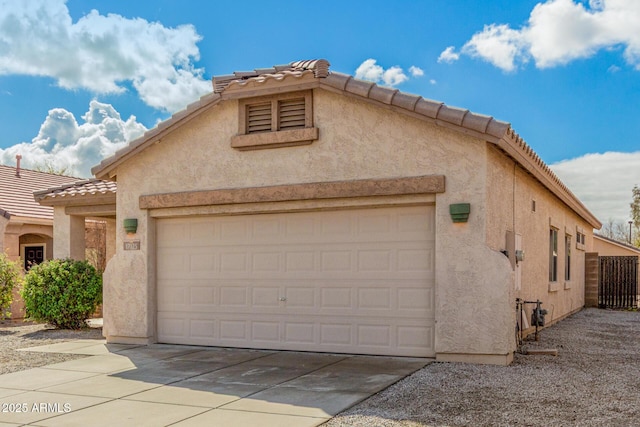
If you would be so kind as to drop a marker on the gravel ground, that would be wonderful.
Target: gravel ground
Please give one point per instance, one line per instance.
(594, 381)
(15, 335)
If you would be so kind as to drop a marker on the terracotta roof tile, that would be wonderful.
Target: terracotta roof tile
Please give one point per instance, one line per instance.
(477, 122)
(359, 87)
(16, 193)
(337, 80)
(77, 189)
(428, 108)
(319, 67)
(405, 100)
(382, 94)
(452, 114)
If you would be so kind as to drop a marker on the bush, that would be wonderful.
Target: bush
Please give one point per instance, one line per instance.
(9, 278)
(62, 292)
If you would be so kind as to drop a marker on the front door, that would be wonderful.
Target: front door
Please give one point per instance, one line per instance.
(33, 255)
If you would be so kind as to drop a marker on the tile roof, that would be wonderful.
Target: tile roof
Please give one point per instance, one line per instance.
(16, 193)
(488, 128)
(76, 190)
(319, 67)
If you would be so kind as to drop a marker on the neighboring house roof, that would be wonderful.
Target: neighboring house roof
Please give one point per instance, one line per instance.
(16, 193)
(315, 73)
(616, 243)
(75, 191)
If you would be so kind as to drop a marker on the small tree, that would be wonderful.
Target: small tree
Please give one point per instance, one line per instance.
(635, 212)
(49, 167)
(616, 230)
(63, 293)
(9, 278)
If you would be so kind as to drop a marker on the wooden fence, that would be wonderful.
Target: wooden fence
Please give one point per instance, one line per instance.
(618, 282)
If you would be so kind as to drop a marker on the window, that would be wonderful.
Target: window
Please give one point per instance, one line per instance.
(567, 257)
(275, 121)
(580, 239)
(553, 255)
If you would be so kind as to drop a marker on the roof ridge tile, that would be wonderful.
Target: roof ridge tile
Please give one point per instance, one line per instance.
(382, 94)
(359, 87)
(404, 100)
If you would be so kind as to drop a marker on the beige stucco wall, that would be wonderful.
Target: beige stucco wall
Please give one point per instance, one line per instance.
(474, 295)
(510, 197)
(606, 248)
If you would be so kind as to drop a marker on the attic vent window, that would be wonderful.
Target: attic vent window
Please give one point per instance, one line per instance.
(291, 114)
(259, 118)
(281, 120)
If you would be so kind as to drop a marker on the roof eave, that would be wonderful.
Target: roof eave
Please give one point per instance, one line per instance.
(15, 219)
(79, 200)
(524, 155)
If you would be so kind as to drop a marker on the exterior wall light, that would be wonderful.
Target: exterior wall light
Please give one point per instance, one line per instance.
(131, 225)
(460, 212)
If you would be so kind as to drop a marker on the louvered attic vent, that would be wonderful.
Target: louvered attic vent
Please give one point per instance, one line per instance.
(277, 113)
(273, 121)
(291, 114)
(259, 118)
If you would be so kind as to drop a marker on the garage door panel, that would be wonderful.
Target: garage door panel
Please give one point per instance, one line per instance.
(233, 263)
(356, 281)
(366, 336)
(234, 297)
(345, 298)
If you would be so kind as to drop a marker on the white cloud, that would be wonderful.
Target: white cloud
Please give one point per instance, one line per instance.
(602, 181)
(449, 55)
(416, 71)
(394, 76)
(63, 143)
(371, 71)
(98, 53)
(498, 44)
(558, 32)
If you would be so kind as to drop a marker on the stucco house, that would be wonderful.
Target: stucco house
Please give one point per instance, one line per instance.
(26, 227)
(302, 209)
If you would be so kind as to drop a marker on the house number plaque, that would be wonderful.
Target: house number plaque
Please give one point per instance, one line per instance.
(133, 245)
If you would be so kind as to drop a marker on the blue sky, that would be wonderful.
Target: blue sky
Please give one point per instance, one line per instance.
(80, 78)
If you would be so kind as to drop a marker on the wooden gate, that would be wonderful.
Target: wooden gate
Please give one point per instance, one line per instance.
(618, 282)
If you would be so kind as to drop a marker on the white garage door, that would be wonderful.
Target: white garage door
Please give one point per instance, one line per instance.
(351, 281)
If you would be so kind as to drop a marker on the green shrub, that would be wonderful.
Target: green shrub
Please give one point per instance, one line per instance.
(62, 292)
(9, 278)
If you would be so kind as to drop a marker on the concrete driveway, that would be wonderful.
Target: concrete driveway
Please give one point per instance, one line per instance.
(162, 385)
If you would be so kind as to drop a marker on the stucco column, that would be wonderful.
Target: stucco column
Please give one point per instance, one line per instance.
(3, 226)
(128, 281)
(110, 239)
(12, 246)
(68, 235)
